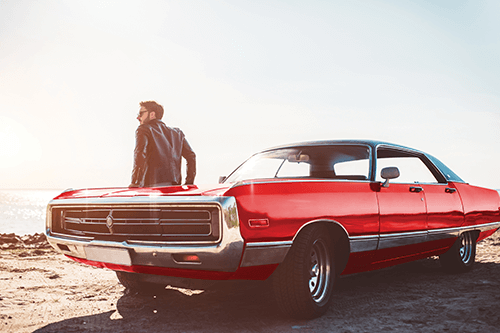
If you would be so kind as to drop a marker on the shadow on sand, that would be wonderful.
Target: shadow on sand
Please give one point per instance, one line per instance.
(409, 296)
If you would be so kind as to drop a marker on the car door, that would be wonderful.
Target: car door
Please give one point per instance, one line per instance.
(402, 205)
(444, 209)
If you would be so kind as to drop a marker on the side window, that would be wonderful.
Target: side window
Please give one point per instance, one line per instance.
(293, 169)
(411, 168)
(356, 169)
(257, 168)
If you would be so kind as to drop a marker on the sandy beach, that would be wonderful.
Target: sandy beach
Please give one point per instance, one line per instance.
(43, 291)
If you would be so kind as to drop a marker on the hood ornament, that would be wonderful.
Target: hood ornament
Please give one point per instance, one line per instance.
(110, 222)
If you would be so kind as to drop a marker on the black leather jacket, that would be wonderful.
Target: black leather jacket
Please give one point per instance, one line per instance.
(157, 156)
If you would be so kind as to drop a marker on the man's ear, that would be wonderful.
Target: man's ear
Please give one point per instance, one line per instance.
(152, 115)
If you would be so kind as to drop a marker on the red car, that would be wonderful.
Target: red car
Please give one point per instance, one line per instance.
(300, 214)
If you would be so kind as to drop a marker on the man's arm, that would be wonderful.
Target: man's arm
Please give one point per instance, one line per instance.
(139, 170)
(190, 156)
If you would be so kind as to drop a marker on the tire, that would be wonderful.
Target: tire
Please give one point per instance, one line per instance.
(303, 283)
(461, 256)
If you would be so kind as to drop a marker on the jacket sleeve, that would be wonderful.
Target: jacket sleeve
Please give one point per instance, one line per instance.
(190, 156)
(139, 169)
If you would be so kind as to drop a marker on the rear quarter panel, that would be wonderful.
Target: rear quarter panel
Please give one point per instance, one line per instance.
(481, 205)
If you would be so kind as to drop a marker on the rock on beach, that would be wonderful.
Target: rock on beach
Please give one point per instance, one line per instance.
(13, 241)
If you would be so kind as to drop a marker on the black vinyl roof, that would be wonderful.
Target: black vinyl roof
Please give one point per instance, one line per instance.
(371, 143)
(374, 144)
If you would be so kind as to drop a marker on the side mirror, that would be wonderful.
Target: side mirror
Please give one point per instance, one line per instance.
(389, 173)
(222, 179)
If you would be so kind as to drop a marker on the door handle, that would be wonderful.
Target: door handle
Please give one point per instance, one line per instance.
(416, 189)
(450, 190)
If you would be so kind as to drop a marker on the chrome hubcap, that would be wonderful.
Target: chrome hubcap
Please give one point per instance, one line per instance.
(320, 271)
(466, 247)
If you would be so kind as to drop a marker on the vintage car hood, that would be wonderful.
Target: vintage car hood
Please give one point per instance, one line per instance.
(182, 190)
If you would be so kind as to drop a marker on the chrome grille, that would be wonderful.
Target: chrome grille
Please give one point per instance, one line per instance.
(165, 223)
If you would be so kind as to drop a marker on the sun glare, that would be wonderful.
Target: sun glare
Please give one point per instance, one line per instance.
(18, 145)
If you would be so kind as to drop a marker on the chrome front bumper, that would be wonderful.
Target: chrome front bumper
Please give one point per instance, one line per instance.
(227, 255)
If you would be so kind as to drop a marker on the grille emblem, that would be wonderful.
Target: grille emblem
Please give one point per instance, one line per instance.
(110, 222)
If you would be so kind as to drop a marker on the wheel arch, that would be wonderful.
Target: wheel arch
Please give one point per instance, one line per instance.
(476, 234)
(340, 236)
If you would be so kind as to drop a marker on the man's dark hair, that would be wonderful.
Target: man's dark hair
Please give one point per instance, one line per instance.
(152, 106)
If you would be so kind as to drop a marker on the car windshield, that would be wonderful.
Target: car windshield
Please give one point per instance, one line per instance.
(330, 162)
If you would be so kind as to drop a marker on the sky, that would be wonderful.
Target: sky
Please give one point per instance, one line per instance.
(241, 76)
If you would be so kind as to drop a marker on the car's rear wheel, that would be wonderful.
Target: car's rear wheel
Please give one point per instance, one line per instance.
(462, 255)
(303, 283)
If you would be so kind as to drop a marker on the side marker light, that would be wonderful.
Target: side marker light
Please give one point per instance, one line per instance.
(258, 223)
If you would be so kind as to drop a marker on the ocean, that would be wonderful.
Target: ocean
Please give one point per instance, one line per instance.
(23, 211)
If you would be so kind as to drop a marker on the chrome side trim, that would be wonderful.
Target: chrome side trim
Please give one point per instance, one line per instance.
(437, 234)
(482, 227)
(386, 241)
(223, 256)
(455, 232)
(363, 243)
(265, 253)
(400, 239)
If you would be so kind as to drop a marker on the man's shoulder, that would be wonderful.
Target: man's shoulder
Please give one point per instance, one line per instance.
(143, 128)
(159, 125)
(176, 129)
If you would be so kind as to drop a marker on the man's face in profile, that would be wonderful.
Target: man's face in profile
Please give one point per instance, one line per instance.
(143, 115)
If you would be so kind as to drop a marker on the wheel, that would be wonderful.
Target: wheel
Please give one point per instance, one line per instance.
(461, 256)
(303, 282)
(133, 282)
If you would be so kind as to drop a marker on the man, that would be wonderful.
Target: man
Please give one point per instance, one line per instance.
(159, 150)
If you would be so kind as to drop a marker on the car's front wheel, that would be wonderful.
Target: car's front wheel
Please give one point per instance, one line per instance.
(462, 255)
(303, 283)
